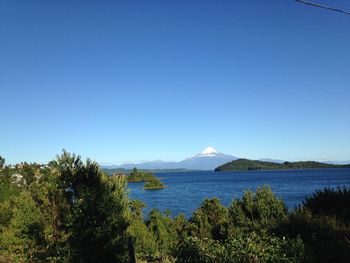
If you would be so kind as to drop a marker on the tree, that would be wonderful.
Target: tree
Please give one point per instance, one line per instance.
(159, 225)
(210, 220)
(73, 213)
(99, 208)
(22, 238)
(144, 241)
(2, 162)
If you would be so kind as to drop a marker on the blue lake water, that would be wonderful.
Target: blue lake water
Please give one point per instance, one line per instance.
(186, 190)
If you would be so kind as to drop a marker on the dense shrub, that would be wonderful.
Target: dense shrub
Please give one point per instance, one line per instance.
(330, 202)
(242, 248)
(210, 220)
(257, 211)
(323, 224)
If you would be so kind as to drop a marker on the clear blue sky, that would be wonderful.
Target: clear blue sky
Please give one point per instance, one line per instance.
(141, 80)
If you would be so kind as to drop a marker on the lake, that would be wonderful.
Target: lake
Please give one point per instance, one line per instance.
(186, 190)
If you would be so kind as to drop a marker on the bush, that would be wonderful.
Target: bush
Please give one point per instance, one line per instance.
(210, 220)
(330, 202)
(241, 249)
(256, 212)
(322, 222)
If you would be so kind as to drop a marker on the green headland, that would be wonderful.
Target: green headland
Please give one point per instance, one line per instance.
(252, 165)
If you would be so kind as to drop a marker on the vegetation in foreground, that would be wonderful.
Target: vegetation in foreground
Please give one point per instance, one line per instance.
(70, 211)
(253, 165)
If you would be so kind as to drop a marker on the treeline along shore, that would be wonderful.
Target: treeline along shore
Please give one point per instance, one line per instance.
(69, 210)
(253, 165)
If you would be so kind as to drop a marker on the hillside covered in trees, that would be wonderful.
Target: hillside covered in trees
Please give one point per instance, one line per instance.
(70, 211)
(249, 165)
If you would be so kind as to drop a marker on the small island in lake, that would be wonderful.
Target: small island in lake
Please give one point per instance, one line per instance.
(151, 181)
(153, 184)
(253, 165)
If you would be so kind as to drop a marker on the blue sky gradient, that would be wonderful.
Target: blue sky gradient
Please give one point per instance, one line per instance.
(124, 81)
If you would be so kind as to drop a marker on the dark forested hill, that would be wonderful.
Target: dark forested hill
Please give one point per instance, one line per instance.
(247, 165)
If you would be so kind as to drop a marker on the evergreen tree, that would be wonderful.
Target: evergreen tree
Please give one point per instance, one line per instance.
(73, 213)
(99, 208)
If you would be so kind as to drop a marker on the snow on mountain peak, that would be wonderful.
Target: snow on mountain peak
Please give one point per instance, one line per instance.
(208, 151)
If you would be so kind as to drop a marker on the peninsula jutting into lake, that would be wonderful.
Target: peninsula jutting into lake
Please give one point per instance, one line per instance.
(253, 165)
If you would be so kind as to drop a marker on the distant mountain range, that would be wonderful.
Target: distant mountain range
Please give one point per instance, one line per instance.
(208, 159)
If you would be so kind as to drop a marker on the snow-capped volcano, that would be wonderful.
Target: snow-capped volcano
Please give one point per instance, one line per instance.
(208, 151)
(208, 159)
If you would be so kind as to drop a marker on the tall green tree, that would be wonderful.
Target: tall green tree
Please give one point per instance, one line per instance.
(160, 225)
(99, 208)
(73, 213)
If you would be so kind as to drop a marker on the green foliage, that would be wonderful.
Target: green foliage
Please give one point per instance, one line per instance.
(29, 171)
(7, 190)
(6, 212)
(157, 239)
(2, 162)
(154, 239)
(70, 211)
(144, 241)
(241, 249)
(23, 235)
(330, 202)
(259, 211)
(210, 220)
(29, 223)
(323, 224)
(263, 248)
(221, 235)
(153, 183)
(194, 249)
(99, 210)
(74, 213)
(246, 165)
(136, 207)
(9, 186)
(312, 164)
(325, 239)
(139, 176)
